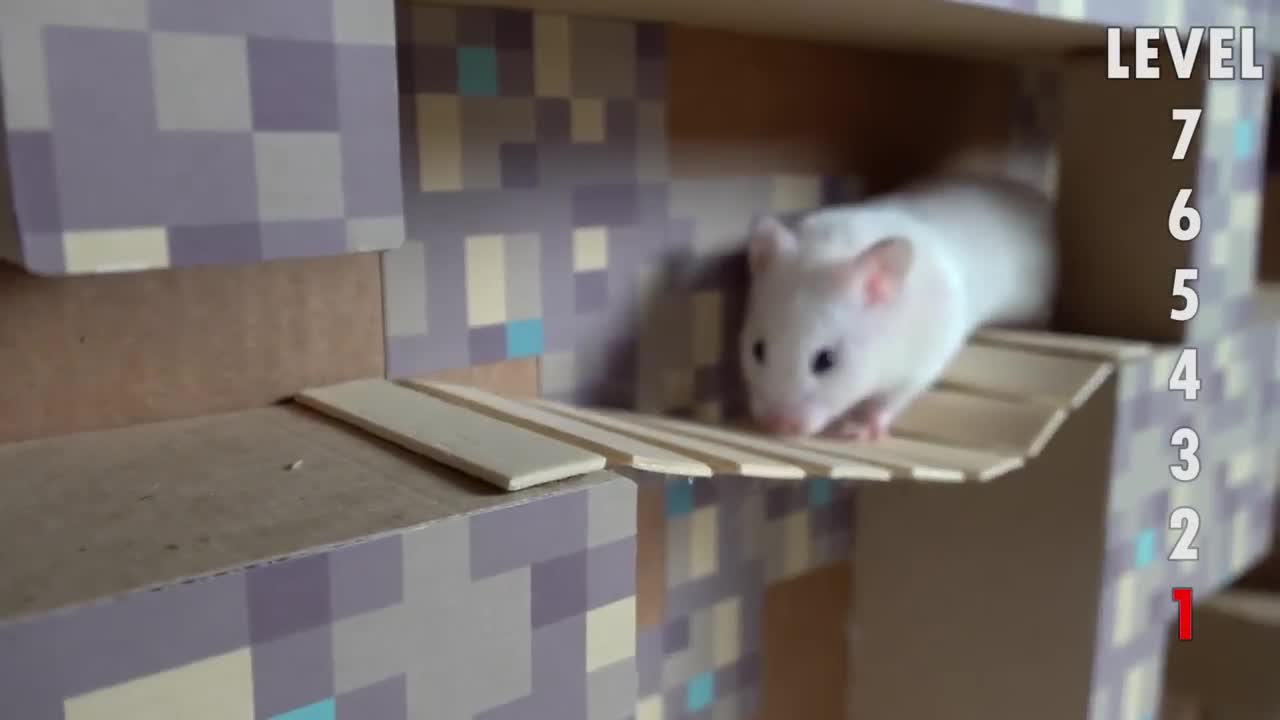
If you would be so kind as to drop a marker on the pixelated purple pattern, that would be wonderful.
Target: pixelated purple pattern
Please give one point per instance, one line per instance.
(748, 513)
(1226, 426)
(548, 187)
(105, 132)
(285, 612)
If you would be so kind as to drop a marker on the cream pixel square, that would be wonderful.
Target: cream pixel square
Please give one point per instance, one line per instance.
(551, 65)
(1241, 547)
(590, 249)
(796, 540)
(106, 251)
(216, 688)
(709, 412)
(1134, 693)
(439, 142)
(586, 123)
(794, 193)
(726, 625)
(677, 388)
(486, 280)
(650, 708)
(703, 542)
(611, 633)
(1126, 609)
(707, 314)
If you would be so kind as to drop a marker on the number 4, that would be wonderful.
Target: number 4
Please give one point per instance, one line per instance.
(1189, 118)
(1185, 376)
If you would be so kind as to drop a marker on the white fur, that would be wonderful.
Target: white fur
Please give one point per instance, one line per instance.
(983, 253)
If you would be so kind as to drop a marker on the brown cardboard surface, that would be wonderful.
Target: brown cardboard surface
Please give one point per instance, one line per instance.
(804, 655)
(1116, 182)
(746, 104)
(973, 545)
(1269, 253)
(95, 514)
(90, 353)
(1229, 665)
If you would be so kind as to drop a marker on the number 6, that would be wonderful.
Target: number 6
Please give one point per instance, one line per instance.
(1191, 301)
(1189, 443)
(1179, 214)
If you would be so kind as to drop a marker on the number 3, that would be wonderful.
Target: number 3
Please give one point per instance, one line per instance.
(1190, 442)
(1188, 521)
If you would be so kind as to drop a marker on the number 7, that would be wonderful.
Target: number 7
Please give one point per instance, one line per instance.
(1190, 118)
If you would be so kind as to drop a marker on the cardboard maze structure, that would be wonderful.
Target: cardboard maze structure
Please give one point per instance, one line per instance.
(996, 407)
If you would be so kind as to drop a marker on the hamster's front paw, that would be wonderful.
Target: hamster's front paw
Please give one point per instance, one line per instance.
(856, 430)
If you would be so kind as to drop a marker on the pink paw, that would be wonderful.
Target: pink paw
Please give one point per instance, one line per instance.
(854, 430)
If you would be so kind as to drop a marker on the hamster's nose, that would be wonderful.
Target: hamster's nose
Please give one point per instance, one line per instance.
(784, 423)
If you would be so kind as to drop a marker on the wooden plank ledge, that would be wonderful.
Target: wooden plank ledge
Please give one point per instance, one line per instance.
(506, 455)
(1016, 373)
(813, 461)
(721, 458)
(617, 448)
(922, 460)
(965, 420)
(1083, 346)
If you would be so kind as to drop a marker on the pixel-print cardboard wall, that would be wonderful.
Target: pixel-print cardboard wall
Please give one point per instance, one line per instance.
(557, 176)
(144, 134)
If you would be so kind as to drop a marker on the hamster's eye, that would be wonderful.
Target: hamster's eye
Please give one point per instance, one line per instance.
(823, 360)
(758, 351)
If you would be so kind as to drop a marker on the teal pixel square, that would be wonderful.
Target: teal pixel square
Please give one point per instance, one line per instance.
(820, 491)
(679, 498)
(701, 692)
(477, 71)
(524, 338)
(1145, 549)
(323, 710)
(1245, 137)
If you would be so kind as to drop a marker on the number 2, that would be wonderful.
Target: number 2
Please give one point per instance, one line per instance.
(1188, 521)
(1185, 376)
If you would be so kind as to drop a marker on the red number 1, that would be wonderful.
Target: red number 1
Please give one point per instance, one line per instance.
(1182, 596)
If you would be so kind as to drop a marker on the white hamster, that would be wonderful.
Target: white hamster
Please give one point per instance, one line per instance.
(861, 307)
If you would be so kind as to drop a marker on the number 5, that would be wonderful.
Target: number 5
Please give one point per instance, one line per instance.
(1191, 301)
(1179, 214)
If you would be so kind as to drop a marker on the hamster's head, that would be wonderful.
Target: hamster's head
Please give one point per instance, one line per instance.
(813, 341)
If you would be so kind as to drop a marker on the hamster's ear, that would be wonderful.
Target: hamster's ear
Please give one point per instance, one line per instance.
(770, 239)
(877, 273)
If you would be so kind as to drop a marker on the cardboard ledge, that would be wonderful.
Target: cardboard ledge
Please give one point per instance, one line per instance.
(91, 516)
(998, 406)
